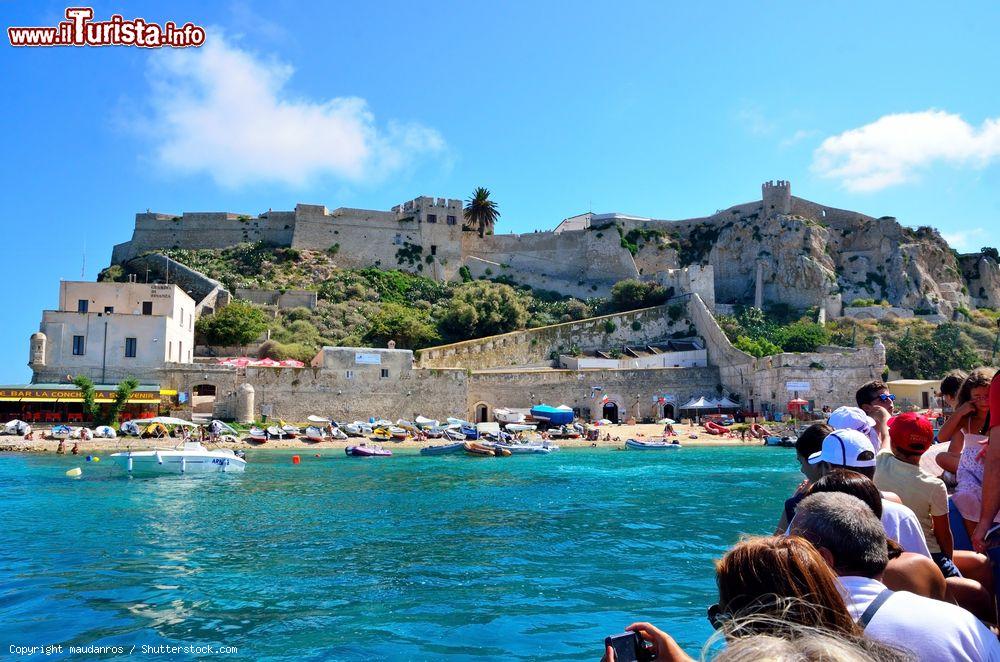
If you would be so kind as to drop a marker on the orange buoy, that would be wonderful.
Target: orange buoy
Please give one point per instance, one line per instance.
(295, 459)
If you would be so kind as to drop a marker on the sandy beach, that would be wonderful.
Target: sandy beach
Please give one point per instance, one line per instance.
(689, 435)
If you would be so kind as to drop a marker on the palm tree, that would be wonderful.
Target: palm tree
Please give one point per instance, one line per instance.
(480, 211)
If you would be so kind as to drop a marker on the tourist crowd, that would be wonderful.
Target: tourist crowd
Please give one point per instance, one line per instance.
(883, 551)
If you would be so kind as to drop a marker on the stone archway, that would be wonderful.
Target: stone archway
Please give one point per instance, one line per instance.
(481, 412)
(668, 411)
(597, 409)
(610, 411)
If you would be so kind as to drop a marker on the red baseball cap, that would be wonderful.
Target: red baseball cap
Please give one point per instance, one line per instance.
(911, 433)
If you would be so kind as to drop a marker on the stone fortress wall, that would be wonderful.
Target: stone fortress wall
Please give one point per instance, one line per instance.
(806, 254)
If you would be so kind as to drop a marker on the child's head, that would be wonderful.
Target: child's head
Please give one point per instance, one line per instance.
(808, 443)
(976, 389)
(910, 434)
(950, 386)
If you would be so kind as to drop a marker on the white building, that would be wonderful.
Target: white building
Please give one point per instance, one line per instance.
(109, 331)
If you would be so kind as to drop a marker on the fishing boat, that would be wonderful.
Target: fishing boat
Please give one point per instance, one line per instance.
(189, 457)
(366, 450)
(380, 434)
(507, 416)
(520, 427)
(425, 423)
(444, 449)
(257, 434)
(314, 433)
(566, 432)
(61, 432)
(480, 450)
(636, 445)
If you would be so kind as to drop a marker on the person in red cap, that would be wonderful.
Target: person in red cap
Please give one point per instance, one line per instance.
(991, 473)
(897, 469)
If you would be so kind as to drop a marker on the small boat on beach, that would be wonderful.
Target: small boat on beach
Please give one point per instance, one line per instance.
(380, 434)
(480, 450)
(318, 420)
(469, 431)
(275, 432)
(444, 449)
(367, 450)
(61, 432)
(636, 445)
(507, 416)
(257, 434)
(338, 434)
(290, 431)
(454, 434)
(189, 457)
(315, 433)
(398, 433)
(520, 427)
(434, 433)
(425, 423)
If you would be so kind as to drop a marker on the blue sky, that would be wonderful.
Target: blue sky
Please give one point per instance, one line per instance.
(661, 109)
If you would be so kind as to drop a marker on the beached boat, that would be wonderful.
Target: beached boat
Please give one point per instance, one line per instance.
(454, 435)
(434, 433)
(338, 434)
(561, 415)
(409, 426)
(566, 432)
(61, 432)
(381, 423)
(290, 431)
(367, 450)
(507, 416)
(482, 450)
(257, 434)
(636, 445)
(189, 457)
(444, 449)
(318, 420)
(456, 422)
(520, 427)
(398, 433)
(275, 432)
(380, 434)
(469, 431)
(17, 427)
(425, 423)
(314, 433)
(354, 430)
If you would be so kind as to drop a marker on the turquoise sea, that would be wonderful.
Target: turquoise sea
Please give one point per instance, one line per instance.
(410, 557)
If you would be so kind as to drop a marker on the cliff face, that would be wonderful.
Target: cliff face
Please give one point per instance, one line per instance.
(816, 259)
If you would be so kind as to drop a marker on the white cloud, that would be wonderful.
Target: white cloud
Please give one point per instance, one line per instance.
(965, 241)
(797, 137)
(221, 111)
(894, 149)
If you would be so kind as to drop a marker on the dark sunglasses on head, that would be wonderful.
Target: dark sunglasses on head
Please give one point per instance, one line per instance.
(717, 617)
(887, 397)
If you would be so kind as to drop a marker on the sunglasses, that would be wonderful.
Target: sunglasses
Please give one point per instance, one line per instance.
(717, 617)
(887, 397)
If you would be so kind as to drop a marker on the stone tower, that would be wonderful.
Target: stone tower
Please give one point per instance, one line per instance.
(36, 355)
(777, 196)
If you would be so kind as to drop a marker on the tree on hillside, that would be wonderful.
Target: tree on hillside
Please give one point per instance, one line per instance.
(408, 326)
(481, 212)
(631, 294)
(239, 323)
(925, 354)
(802, 336)
(482, 308)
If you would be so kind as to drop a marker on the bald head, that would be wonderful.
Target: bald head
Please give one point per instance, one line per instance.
(847, 529)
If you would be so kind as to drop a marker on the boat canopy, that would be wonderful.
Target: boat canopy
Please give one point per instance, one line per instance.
(554, 415)
(170, 420)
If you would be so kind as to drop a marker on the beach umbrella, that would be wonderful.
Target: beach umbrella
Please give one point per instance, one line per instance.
(797, 403)
(666, 421)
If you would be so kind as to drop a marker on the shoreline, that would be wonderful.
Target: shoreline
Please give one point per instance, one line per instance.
(619, 433)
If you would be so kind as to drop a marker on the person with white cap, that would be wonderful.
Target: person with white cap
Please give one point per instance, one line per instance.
(854, 450)
(855, 418)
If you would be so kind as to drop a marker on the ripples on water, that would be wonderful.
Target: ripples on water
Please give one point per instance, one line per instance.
(403, 558)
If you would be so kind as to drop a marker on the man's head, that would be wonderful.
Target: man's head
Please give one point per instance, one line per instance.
(846, 449)
(910, 435)
(845, 531)
(808, 443)
(874, 394)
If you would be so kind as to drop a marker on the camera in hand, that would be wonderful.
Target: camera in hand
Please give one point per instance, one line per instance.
(629, 647)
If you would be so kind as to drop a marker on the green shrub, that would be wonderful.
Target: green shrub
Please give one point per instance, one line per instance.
(609, 326)
(636, 325)
(238, 323)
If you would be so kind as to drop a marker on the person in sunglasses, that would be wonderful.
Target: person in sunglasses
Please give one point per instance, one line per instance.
(769, 585)
(875, 400)
(850, 538)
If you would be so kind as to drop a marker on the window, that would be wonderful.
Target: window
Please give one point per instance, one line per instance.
(180, 352)
(130, 348)
(350, 374)
(432, 218)
(170, 350)
(452, 220)
(385, 373)
(182, 318)
(108, 310)
(434, 249)
(147, 307)
(78, 346)
(82, 305)
(190, 317)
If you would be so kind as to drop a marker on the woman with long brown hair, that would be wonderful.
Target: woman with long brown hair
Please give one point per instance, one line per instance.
(967, 430)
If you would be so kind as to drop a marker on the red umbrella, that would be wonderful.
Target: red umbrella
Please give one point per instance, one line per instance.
(797, 403)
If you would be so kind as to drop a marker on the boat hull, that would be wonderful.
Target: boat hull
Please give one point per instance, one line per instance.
(444, 449)
(149, 463)
(634, 445)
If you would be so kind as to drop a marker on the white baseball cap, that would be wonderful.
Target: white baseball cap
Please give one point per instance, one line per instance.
(846, 448)
(854, 418)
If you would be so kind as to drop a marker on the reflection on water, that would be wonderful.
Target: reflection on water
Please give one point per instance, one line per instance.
(409, 557)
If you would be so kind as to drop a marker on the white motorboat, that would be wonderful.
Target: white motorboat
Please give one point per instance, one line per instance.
(257, 434)
(425, 423)
(526, 449)
(190, 457)
(638, 445)
(520, 427)
(338, 434)
(314, 433)
(319, 420)
(507, 416)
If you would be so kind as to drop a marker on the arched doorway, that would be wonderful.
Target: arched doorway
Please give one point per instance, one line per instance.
(482, 413)
(610, 411)
(203, 399)
(668, 411)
